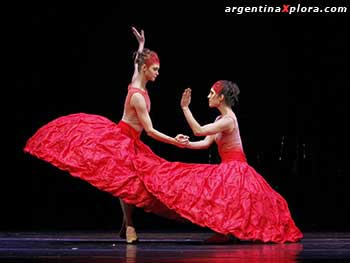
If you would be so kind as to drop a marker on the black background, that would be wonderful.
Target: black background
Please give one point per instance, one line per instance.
(292, 71)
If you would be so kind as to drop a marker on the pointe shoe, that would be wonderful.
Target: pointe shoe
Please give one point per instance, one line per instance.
(131, 236)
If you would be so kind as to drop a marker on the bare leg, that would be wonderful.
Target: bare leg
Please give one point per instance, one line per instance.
(127, 231)
(127, 213)
(122, 232)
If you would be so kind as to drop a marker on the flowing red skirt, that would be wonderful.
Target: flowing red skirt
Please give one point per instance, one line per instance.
(230, 198)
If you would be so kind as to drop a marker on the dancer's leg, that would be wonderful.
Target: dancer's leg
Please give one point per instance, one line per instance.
(127, 231)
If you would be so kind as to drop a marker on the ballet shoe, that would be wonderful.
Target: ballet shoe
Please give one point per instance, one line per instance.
(131, 236)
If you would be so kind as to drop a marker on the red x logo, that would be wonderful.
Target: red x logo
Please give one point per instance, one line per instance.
(286, 8)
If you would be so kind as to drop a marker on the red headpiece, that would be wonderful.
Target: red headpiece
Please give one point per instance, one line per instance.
(152, 59)
(217, 87)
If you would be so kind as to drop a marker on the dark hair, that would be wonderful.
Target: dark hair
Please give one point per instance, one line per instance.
(230, 91)
(145, 57)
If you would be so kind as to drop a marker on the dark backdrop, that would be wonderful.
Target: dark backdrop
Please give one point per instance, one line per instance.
(292, 71)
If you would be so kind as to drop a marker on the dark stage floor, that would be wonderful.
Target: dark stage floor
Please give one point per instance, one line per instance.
(106, 247)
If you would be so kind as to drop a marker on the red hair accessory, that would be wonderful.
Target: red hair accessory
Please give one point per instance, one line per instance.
(152, 59)
(217, 87)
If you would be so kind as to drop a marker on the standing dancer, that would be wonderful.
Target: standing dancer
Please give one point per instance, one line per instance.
(102, 152)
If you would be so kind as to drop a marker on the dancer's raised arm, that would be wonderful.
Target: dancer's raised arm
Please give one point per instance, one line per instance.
(141, 40)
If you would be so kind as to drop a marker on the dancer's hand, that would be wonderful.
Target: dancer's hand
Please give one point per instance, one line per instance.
(186, 98)
(140, 38)
(182, 140)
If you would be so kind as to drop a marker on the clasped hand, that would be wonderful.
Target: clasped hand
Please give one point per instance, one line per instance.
(182, 140)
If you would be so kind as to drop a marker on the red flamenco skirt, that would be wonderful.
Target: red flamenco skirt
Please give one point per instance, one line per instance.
(101, 152)
(230, 198)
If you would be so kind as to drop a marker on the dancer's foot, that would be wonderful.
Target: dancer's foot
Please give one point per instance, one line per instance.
(131, 236)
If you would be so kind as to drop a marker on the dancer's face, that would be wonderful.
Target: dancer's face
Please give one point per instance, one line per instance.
(152, 72)
(214, 99)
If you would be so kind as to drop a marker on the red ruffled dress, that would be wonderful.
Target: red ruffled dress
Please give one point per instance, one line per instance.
(230, 198)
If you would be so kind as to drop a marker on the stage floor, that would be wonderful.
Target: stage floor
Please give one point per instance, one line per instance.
(107, 247)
